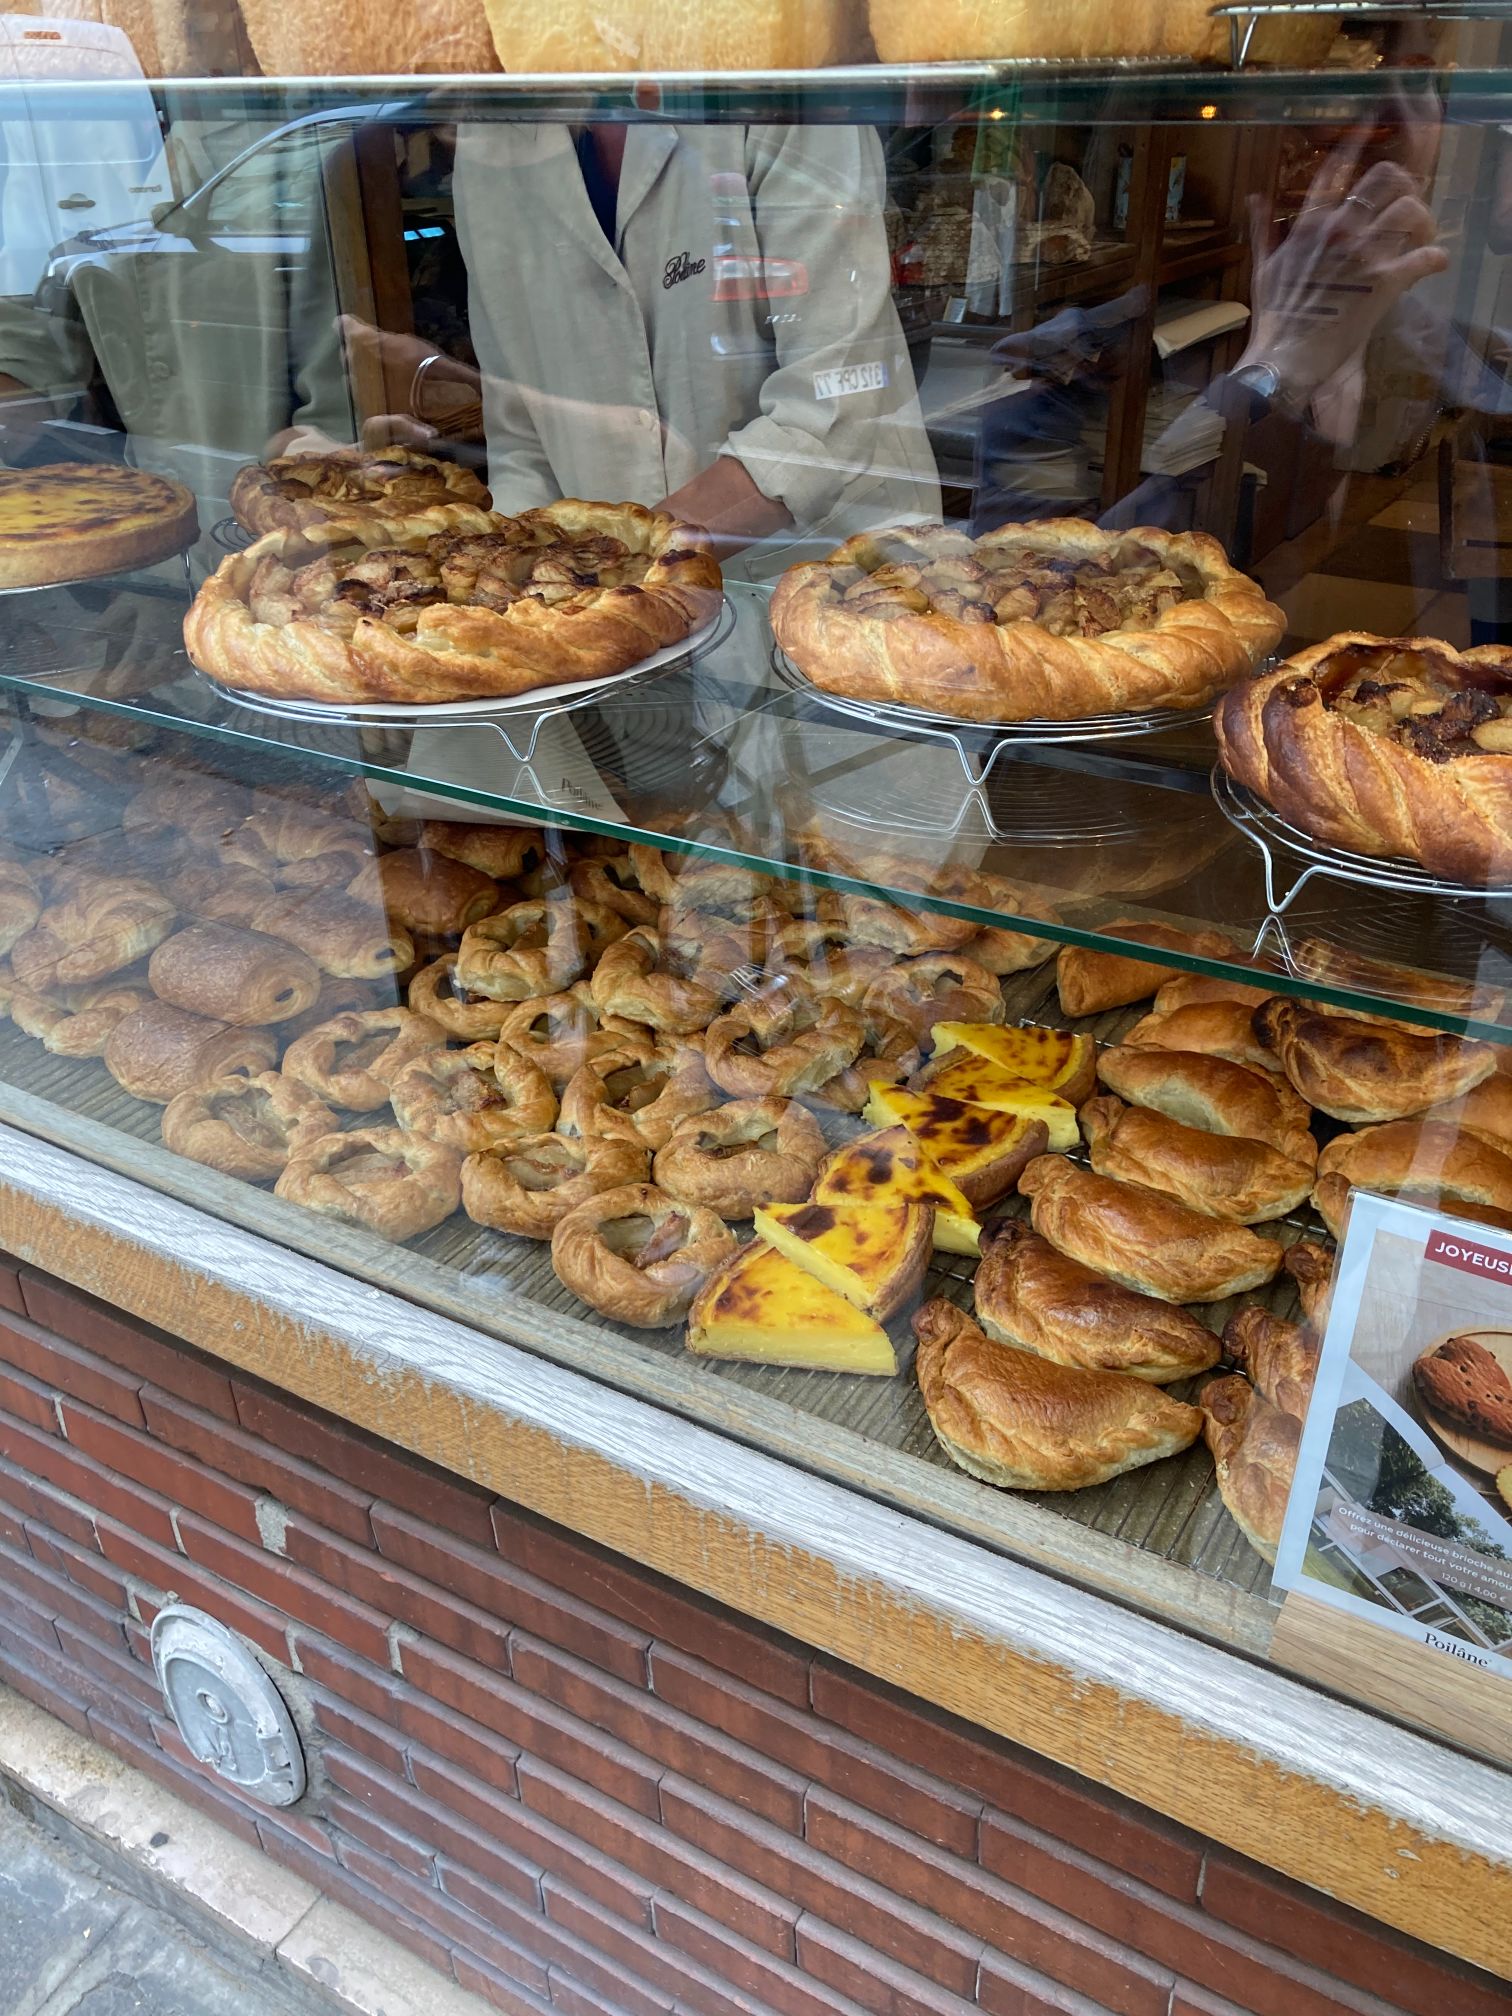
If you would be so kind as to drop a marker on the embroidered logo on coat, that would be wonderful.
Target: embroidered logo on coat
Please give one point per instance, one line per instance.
(681, 267)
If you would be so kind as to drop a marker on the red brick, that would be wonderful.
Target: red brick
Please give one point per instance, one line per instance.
(500, 1993)
(818, 1751)
(535, 1725)
(1073, 1810)
(89, 1570)
(512, 1595)
(1048, 1941)
(70, 1470)
(358, 1732)
(811, 1882)
(12, 1532)
(116, 1669)
(368, 1901)
(639, 1719)
(191, 1786)
(1004, 1988)
(300, 1596)
(139, 1640)
(17, 1492)
(134, 1454)
(495, 1939)
(64, 1368)
(135, 1347)
(376, 1692)
(532, 1839)
(867, 1977)
(667, 1972)
(573, 1999)
(26, 1400)
(168, 1574)
(665, 1862)
(59, 1513)
(43, 1677)
(53, 1595)
(364, 1463)
(1337, 1940)
(394, 1592)
(654, 1605)
(10, 1287)
(300, 1486)
(347, 1815)
(767, 1980)
(433, 1827)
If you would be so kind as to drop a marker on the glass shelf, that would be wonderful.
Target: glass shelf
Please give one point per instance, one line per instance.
(721, 760)
(1044, 92)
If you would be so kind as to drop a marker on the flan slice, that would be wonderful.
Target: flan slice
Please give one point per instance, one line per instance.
(872, 1254)
(891, 1168)
(973, 1081)
(760, 1307)
(980, 1149)
(1055, 1058)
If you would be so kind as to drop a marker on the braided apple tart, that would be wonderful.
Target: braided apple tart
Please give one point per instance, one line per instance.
(580, 591)
(1053, 620)
(1384, 745)
(333, 495)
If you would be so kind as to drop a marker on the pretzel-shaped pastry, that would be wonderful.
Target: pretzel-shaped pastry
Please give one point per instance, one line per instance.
(1384, 746)
(635, 981)
(610, 881)
(891, 1055)
(352, 1060)
(638, 1255)
(247, 1127)
(380, 1178)
(716, 945)
(750, 1152)
(470, 1018)
(328, 495)
(561, 1032)
(533, 948)
(638, 1093)
(872, 920)
(940, 987)
(786, 1041)
(699, 882)
(528, 1186)
(473, 1099)
(1053, 620)
(581, 591)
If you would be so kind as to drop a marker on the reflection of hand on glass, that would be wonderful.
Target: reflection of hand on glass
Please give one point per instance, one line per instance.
(1075, 346)
(1321, 293)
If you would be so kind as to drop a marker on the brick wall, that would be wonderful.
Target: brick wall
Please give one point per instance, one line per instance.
(573, 1785)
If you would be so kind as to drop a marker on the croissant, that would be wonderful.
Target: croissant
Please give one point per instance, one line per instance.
(428, 894)
(345, 938)
(1362, 1071)
(219, 895)
(105, 923)
(1311, 1266)
(1281, 1358)
(1139, 1237)
(925, 617)
(1028, 1424)
(1254, 1449)
(1213, 1093)
(1031, 1296)
(1319, 741)
(1210, 1028)
(240, 977)
(1089, 981)
(159, 1051)
(1224, 1175)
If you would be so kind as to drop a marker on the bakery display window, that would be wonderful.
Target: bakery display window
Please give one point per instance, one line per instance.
(825, 726)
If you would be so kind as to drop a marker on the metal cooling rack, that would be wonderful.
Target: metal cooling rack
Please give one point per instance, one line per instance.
(1245, 16)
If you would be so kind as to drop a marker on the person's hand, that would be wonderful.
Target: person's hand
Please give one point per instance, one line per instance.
(385, 357)
(725, 501)
(1355, 249)
(1075, 346)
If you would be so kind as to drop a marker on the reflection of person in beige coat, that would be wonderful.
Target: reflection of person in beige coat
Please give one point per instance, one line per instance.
(696, 315)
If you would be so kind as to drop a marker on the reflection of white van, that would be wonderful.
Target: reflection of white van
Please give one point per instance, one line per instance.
(68, 160)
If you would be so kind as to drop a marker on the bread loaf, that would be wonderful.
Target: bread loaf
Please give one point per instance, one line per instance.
(907, 32)
(1142, 1239)
(1090, 982)
(1037, 1299)
(676, 34)
(1224, 1175)
(360, 38)
(1254, 1449)
(1366, 1071)
(1213, 1093)
(1028, 1424)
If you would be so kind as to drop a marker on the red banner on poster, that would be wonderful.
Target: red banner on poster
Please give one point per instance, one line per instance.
(1490, 1262)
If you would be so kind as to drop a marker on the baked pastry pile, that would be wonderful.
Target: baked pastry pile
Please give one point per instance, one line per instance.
(1384, 746)
(68, 520)
(1054, 620)
(387, 613)
(336, 494)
